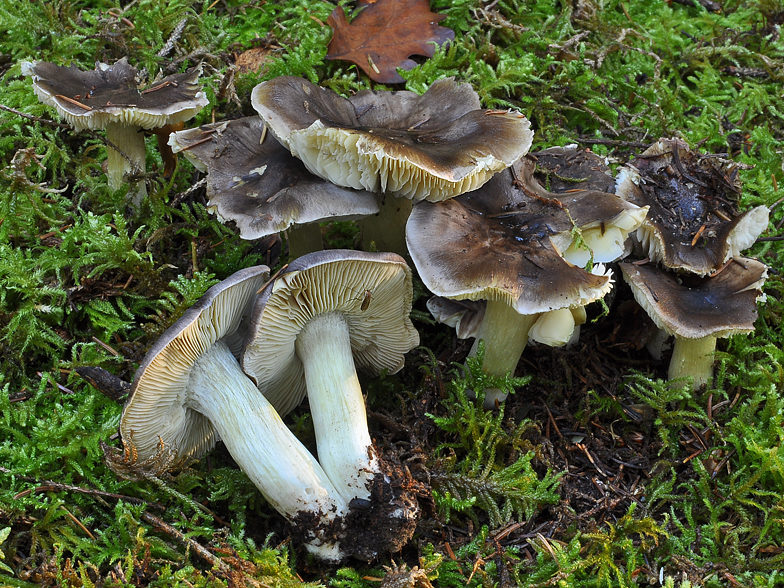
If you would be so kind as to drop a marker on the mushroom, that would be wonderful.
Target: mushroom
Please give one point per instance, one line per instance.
(698, 310)
(433, 147)
(693, 224)
(502, 243)
(190, 390)
(108, 98)
(328, 312)
(257, 183)
(430, 147)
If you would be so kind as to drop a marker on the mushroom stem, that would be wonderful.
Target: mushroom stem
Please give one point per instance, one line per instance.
(387, 229)
(304, 239)
(337, 405)
(279, 465)
(505, 333)
(130, 140)
(693, 358)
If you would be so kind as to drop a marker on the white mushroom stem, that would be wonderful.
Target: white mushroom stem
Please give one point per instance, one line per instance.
(505, 333)
(693, 358)
(279, 465)
(337, 405)
(130, 140)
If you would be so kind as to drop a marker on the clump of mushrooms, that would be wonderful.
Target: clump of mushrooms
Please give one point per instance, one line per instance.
(191, 390)
(697, 286)
(510, 243)
(409, 147)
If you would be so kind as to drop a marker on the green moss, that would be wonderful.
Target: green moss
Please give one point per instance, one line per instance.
(83, 281)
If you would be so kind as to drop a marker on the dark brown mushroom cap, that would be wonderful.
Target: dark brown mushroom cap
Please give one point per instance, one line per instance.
(515, 203)
(495, 244)
(570, 168)
(110, 93)
(396, 137)
(157, 410)
(692, 307)
(689, 198)
(261, 186)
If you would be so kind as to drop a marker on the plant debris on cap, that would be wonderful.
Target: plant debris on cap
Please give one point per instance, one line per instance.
(697, 310)
(259, 184)
(432, 147)
(693, 224)
(561, 169)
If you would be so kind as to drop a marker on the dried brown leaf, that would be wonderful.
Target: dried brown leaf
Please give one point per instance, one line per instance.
(385, 34)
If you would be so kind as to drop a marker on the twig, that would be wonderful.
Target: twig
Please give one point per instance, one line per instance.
(196, 547)
(106, 383)
(49, 486)
(38, 119)
(613, 142)
(78, 522)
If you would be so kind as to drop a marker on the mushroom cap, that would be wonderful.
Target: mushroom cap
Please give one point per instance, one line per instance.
(496, 243)
(157, 410)
(432, 147)
(261, 186)
(333, 281)
(694, 308)
(110, 94)
(571, 168)
(681, 207)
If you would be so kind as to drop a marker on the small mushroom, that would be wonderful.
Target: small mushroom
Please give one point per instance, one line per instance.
(698, 310)
(254, 181)
(190, 390)
(327, 313)
(108, 98)
(503, 242)
(693, 224)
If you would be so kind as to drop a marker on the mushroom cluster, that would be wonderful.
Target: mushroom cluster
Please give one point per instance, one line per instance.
(692, 280)
(245, 354)
(452, 187)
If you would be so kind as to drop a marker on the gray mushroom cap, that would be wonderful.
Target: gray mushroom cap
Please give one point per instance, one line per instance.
(695, 308)
(431, 147)
(110, 94)
(373, 293)
(692, 224)
(260, 185)
(157, 410)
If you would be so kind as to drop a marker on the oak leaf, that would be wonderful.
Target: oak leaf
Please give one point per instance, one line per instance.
(385, 34)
